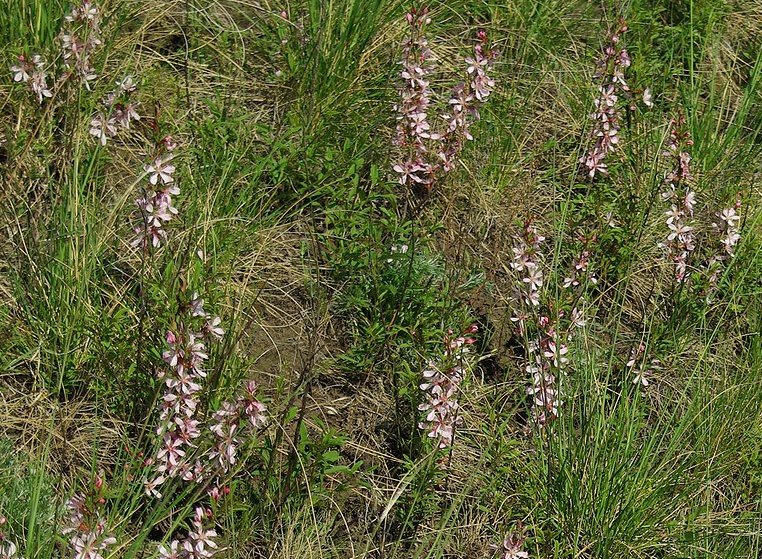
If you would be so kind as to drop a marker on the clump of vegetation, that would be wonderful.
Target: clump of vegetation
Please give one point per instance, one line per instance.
(359, 279)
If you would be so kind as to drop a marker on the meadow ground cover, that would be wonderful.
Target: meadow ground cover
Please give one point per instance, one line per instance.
(380, 279)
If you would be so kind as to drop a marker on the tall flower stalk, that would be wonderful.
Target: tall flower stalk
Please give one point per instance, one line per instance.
(610, 75)
(441, 385)
(184, 372)
(413, 128)
(184, 453)
(86, 525)
(233, 419)
(527, 259)
(79, 39)
(680, 241)
(727, 235)
(425, 152)
(547, 334)
(546, 361)
(155, 205)
(464, 103)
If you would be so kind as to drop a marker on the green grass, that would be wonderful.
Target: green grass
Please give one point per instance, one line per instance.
(288, 214)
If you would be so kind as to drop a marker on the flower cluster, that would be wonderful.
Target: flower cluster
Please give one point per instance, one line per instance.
(32, 73)
(197, 544)
(726, 229)
(680, 241)
(7, 548)
(511, 547)
(415, 135)
(413, 128)
(86, 524)
(156, 204)
(547, 358)
(580, 270)
(527, 257)
(610, 71)
(441, 383)
(547, 333)
(118, 111)
(464, 102)
(227, 420)
(80, 39)
(178, 429)
(641, 366)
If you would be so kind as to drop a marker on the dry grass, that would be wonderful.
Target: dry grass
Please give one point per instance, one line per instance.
(65, 436)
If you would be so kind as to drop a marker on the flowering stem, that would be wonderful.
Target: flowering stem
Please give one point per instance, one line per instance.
(139, 348)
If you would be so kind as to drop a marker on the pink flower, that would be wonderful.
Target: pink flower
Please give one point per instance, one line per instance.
(126, 84)
(511, 547)
(578, 318)
(556, 353)
(151, 486)
(172, 452)
(172, 552)
(21, 70)
(125, 114)
(640, 377)
(160, 170)
(252, 409)
(212, 328)
(648, 98)
(169, 143)
(174, 353)
(533, 278)
(39, 85)
(102, 128)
